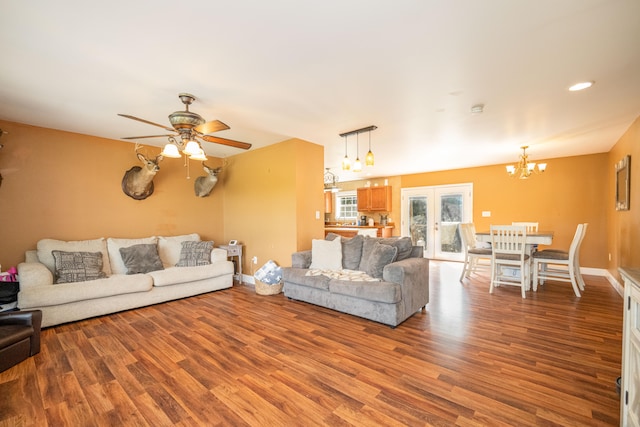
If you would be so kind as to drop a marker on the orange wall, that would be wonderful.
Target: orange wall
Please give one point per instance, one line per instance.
(271, 196)
(559, 199)
(67, 186)
(623, 228)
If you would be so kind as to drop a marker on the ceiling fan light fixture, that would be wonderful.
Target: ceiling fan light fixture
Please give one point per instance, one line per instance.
(199, 155)
(191, 148)
(170, 150)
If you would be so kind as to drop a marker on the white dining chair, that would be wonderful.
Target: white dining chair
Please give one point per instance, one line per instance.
(561, 265)
(532, 227)
(509, 249)
(474, 258)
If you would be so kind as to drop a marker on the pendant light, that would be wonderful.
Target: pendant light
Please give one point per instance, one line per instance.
(346, 163)
(368, 160)
(357, 165)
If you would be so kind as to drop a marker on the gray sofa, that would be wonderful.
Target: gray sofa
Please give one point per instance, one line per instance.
(402, 288)
(112, 280)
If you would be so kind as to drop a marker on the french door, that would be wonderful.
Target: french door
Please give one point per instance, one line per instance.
(430, 215)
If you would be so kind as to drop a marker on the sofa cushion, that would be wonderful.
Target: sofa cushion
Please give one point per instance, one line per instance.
(386, 292)
(326, 254)
(50, 295)
(115, 257)
(379, 256)
(178, 275)
(45, 247)
(299, 276)
(351, 250)
(195, 253)
(170, 247)
(141, 258)
(77, 266)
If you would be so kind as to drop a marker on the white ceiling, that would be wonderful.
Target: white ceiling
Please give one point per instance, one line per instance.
(280, 69)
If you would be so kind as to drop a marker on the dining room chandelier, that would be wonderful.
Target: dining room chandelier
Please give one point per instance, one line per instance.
(524, 169)
(330, 181)
(357, 165)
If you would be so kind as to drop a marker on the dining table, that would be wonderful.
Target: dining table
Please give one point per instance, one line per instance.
(533, 238)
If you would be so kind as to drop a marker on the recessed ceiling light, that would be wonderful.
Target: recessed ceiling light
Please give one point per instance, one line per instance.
(477, 109)
(581, 86)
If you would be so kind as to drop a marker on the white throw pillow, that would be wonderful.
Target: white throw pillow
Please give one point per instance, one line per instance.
(169, 247)
(326, 254)
(114, 245)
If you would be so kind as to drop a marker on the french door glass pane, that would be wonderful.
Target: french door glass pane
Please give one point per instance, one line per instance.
(418, 220)
(450, 216)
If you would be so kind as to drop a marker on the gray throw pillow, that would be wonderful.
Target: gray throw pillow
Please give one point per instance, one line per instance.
(367, 247)
(141, 258)
(380, 256)
(351, 250)
(403, 244)
(195, 253)
(77, 266)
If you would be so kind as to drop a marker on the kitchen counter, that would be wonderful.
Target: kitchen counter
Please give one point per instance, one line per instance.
(351, 230)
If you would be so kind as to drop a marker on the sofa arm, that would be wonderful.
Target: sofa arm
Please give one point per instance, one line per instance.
(301, 259)
(218, 254)
(33, 274)
(412, 274)
(31, 318)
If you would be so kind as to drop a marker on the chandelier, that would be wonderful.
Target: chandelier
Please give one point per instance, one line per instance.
(330, 181)
(524, 169)
(346, 162)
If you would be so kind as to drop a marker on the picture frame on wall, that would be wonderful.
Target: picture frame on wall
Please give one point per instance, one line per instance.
(623, 183)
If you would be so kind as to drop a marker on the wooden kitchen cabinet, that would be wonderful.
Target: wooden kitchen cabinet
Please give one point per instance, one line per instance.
(374, 199)
(328, 202)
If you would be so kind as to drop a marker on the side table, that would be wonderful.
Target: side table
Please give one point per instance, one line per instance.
(235, 251)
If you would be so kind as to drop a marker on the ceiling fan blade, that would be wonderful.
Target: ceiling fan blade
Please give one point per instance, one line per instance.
(147, 136)
(210, 127)
(224, 141)
(147, 122)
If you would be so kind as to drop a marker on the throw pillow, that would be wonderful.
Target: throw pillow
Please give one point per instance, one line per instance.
(115, 257)
(195, 253)
(380, 256)
(351, 250)
(326, 254)
(367, 247)
(77, 266)
(46, 246)
(170, 247)
(403, 244)
(141, 258)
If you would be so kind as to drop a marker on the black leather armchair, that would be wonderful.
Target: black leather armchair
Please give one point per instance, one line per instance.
(19, 336)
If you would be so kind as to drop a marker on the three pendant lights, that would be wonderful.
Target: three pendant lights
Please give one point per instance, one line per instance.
(368, 160)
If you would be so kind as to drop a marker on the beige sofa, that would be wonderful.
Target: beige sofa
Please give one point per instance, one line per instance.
(98, 284)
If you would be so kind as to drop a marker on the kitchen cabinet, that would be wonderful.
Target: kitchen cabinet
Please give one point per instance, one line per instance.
(374, 199)
(630, 388)
(328, 202)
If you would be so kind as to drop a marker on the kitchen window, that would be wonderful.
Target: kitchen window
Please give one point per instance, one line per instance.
(346, 205)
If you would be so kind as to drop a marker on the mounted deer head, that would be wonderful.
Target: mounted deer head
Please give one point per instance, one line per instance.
(204, 184)
(137, 182)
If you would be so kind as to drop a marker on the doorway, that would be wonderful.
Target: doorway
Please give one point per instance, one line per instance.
(430, 216)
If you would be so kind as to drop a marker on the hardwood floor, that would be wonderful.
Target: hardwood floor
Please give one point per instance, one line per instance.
(236, 358)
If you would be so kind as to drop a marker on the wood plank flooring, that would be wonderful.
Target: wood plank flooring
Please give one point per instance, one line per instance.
(234, 358)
